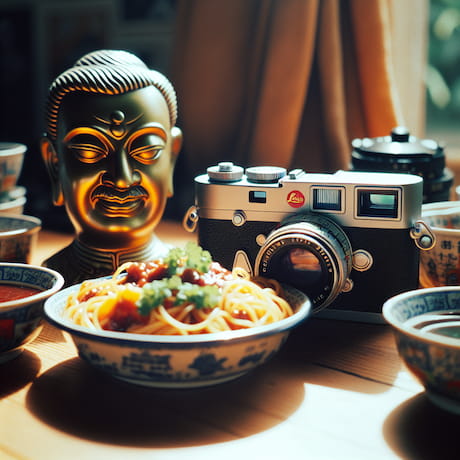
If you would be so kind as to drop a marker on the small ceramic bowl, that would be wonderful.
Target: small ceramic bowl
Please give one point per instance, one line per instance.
(18, 237)
(11, 160)
(178, 361)
(13, 206)
(21, 319)
(440, 266)
(13, 201)
(426, 323)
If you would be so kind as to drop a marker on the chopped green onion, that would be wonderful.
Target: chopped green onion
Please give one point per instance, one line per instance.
(155, 293)
(191, 256)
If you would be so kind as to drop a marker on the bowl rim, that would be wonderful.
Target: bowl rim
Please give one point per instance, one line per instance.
(440, 208)
(440, 205)
(53, 307)
(445, 231)
(34, 221)
(15, 202)
(12, 148)
(42, 295)
(13, 193)
(427, 337)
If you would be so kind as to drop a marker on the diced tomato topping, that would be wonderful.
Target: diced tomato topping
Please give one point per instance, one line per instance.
(240, 314)
(124, 315)
(145, 272)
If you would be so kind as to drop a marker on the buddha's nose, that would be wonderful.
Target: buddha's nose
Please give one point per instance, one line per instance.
(122, 174)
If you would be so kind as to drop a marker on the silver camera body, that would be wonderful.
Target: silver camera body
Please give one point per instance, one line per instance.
(349, 240)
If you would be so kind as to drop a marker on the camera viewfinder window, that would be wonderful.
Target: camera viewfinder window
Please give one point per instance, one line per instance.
(327, 199)
(257, 196)
(376, 203)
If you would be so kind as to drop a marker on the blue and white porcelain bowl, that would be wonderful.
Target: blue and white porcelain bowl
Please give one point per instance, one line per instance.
(439, 266)
(21, 319)
(178, 361)
(11, 160)
(426, 323)
(13, 201)
(18, 237)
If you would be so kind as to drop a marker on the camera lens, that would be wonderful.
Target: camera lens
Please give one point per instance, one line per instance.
(404, 153)
(310, 252)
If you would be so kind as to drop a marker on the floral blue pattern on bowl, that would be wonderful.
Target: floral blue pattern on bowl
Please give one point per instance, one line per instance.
(21, 320)
(178, 361)
(11, 160)
(426, 325)
(18, 235)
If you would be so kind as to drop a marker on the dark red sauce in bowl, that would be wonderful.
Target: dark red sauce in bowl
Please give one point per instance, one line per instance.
(9, 292)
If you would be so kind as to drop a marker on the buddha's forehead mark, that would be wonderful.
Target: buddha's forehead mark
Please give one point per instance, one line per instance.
(117, 123)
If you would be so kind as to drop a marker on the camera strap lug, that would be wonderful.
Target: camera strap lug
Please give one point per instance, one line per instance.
(347, 285)
(422, 235)
(241, 260)
(190, 220)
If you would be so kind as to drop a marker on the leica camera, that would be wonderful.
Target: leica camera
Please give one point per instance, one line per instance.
(405, 153)
(349, 240)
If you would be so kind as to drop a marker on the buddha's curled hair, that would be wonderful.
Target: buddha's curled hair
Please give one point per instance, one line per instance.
(106, 72)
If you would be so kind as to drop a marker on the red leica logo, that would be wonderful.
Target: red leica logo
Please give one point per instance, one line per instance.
(296, 199)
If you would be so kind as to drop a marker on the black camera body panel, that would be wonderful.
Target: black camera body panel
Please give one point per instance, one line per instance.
(395, 269)
(222, 239)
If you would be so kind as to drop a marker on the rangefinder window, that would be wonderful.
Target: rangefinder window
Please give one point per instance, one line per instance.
(257, 196)
(378, 203)
(327, 199)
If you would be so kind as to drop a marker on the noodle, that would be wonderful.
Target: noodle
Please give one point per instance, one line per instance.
(112, 303)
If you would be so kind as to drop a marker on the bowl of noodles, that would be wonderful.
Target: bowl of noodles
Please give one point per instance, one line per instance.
(181, 321)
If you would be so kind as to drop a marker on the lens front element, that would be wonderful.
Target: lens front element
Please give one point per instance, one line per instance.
(310, 252)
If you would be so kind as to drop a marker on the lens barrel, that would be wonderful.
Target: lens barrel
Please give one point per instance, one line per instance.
(309, 252)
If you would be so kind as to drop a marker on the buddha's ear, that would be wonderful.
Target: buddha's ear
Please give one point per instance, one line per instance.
(176, 145)
(50, 158)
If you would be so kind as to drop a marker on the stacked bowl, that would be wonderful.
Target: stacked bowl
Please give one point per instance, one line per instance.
(18, 233)
(12, 196)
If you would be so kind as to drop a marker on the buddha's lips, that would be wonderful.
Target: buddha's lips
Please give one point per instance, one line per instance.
(115, 202)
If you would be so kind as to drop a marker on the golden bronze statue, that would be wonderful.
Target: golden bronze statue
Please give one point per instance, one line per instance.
(110, 149)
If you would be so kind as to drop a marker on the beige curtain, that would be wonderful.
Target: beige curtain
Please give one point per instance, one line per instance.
(292, 82)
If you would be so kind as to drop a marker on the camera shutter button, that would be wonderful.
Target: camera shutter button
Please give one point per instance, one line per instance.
(239, 218)
(362, 260)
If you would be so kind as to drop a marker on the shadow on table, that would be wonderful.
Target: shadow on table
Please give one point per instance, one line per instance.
(77, 399)
(366, 351)
(419, 430)
(18, 372)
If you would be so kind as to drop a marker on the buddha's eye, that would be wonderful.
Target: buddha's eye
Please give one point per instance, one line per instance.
(146, 148)
(87, 148)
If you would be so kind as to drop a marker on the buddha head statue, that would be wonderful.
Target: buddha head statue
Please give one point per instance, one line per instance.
(110, 147)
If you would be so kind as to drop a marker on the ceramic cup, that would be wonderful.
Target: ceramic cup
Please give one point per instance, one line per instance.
(11, 160)
(440, 266)
(18, 236)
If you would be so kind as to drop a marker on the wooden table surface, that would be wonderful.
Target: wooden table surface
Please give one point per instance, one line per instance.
(336, 390)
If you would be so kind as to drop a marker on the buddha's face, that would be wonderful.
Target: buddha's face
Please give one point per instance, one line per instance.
(115, 163)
